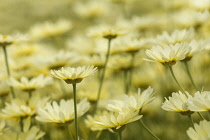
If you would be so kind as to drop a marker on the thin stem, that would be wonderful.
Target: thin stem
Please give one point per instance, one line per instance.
(75, 110)
(21, 124)
(172, 73)
(69, 133)
(120, 135)
(29, 94)
(131, 73)
(8, 70)
(201, 115)
(149, 130)
(189, 74)
(191, 120)
(103, 74)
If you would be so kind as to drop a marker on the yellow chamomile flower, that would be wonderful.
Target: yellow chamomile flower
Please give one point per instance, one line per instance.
(136, 102)
(34, 133)
(113, 121)
(108, 32)
(6, 40)
(19, 108)
(178, 102)
(200, 101)
(27, 84)
(169, 54)
(200, 131)
(62, 112)
(73, 75)
(49, 29)
(178, 36)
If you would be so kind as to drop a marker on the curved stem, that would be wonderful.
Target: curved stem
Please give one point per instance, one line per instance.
(172, 73)
(189, 74)
(21, 124)
(149, 130)
(120, 135)
(191, 120)
(75, 110)
(8, 70)
(69, 133)
(103, 74)
(131, 73)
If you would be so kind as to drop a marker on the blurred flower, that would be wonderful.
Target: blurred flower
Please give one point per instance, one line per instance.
(63, 113)
(73, 75)
(6, 40)
(19, 108)
(178, 36)
(200, 101)
(49, 29)
(200, 131)
(92, 9)
(32, 134)
(108, 32)
(178, 103)
(169, 54)
(113, 121)
(32, 84)
(136, 102)
(61, 59)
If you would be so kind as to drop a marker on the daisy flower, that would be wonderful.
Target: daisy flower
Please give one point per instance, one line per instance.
(62, 112)
(73, 75)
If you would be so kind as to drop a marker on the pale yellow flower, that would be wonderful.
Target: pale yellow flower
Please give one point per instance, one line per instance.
(113, 121)
(26, 84)
(23, 107)
(178, 102)
(63, 112)
(200, 101)
(73, 75)
(6, 40)
(200, 131)
(168, 55)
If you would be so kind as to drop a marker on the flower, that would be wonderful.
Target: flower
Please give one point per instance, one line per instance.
(178, 103)
(108, 32)
(19, 108)
(113, 121)
(200, 131)
(200, 101)
(30, 85)
(6, 40)
(63, 112)
(178, 36)
(136, 102)
(73, 75)
(32, 134)
(49, 29)
(169, 54)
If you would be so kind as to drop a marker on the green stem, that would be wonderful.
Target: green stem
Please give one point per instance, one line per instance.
(131, 73)
(172, 73)
(69, 133)
(21, 124)
(191, 120)
(120, 135)
(149, 130)
(103, 74)
(189, 74)
(29, 94)
(8, 70)
(201, 115)
(75, 110)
